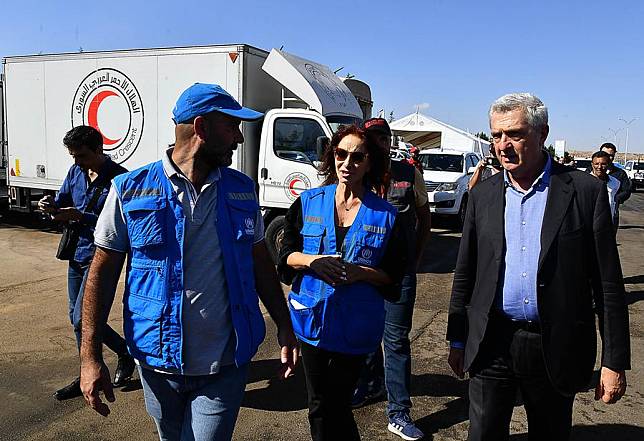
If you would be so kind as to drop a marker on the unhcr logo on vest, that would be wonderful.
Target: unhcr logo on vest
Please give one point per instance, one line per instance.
(365, 256)
(250, 226)
(107, 100)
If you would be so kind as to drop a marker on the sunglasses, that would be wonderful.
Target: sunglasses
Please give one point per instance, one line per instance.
(342, 155)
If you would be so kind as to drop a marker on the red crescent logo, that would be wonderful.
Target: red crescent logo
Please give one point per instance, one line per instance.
(292, 185)
(92, 114)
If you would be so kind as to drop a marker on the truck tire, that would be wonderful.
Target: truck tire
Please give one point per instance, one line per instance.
(273, 237)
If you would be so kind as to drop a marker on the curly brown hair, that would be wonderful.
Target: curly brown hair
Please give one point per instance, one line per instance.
(374, 178)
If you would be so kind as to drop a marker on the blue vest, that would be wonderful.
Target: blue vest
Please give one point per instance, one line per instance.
(154, 286)
(348, 319)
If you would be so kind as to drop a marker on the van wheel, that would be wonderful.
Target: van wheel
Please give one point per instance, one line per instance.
(460, 220)
(273, 236)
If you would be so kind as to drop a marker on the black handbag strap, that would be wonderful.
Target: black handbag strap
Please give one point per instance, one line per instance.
(97, 194)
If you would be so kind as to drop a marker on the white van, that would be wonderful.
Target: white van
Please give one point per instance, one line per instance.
(635, 171)
(446, 174)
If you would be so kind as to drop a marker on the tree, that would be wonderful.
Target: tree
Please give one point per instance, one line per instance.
(483, 136)
(551, 150)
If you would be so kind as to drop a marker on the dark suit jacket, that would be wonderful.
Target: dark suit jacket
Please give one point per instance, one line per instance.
(579, 270)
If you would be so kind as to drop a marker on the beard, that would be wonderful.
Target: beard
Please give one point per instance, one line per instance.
(215, 155)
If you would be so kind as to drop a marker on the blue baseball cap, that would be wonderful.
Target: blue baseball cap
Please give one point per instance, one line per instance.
(201, 99)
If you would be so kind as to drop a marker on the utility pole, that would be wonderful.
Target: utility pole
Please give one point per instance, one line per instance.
(628, 123)
(614, 132)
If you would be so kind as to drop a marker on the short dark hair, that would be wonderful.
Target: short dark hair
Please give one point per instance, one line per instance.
(600, 154)
(608, 145)
(374, 178)
(83, 136)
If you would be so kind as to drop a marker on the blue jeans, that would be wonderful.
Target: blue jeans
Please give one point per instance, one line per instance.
(76, 278)
(194, 408)
(397, 356)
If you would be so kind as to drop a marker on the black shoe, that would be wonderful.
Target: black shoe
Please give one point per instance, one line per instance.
(124, 370)
(365, 395)
(72, 390)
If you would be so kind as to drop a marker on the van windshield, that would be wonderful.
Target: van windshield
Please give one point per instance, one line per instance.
(638, 166)
(448, 163)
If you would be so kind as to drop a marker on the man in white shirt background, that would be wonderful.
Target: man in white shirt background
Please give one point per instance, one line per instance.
(600, 163)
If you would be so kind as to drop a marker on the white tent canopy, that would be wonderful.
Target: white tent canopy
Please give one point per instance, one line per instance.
(425, 132)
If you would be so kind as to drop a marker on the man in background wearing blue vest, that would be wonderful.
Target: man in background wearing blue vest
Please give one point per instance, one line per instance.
(196, 263)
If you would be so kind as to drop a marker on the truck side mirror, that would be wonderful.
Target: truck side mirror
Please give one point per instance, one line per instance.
(321, 143)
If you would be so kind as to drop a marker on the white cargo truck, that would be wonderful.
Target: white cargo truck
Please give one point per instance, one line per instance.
(128, 95)
(3, 151)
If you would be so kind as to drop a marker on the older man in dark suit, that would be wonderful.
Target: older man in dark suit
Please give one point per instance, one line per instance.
(537, 260)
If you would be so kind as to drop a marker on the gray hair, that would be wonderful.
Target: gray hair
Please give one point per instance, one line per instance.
(535, 111)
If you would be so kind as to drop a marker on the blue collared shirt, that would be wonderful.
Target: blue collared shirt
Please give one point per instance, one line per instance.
(77, 191)
(517, 293)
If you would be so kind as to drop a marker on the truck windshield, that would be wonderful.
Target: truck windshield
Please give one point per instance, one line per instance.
(583, 163)
(295, 139)
(638, 166)
(336, 121)
(448, 163)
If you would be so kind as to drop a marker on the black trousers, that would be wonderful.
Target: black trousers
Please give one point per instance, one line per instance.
(331, 378)
(510, 358)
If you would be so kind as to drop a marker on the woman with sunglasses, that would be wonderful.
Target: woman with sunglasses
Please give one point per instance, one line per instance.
(344, 253)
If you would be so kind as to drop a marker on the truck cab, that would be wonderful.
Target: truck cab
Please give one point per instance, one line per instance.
(314, 103)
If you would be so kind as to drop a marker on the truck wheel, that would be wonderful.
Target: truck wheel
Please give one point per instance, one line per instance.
(460, 220)
(273, 237)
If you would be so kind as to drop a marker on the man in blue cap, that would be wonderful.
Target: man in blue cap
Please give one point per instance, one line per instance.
(190, 232)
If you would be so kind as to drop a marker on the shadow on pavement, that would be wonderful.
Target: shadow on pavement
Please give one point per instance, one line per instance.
(634, 279)
(631, 227)
(441, 254)
(634, 297)
(438, 385)
(280, 395)
(599, 432)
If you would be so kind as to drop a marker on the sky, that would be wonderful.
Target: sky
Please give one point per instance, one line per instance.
(448, 58)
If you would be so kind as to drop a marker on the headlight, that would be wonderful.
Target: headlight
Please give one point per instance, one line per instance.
(447, 186)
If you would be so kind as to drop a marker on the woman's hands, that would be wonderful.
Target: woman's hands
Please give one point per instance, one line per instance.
(335, 271)
(331, 269)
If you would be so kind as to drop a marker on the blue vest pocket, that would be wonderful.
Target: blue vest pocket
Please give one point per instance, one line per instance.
(243, 215)
(306, 315)
(146, 279)
(145, 219)
(142, 325)
(312, 235)
(369, 249)
(362, 322)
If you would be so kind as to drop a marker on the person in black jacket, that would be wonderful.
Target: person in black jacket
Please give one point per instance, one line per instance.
(537, 259)
(625, 187)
